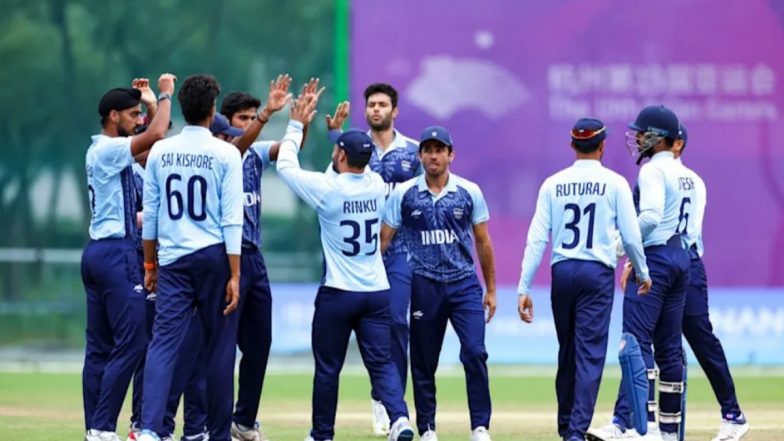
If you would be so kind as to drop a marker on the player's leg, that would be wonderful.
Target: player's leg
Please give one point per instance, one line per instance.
(399, 275)
(98, 335)
(591, 327)
(138, 374)
(173, 315)
(429, 315)
(468, 320)
(189, 367)
(254, 339)
(640, 315)
(667, 344)
(335, 316)
(563, 300)
(698, 331)
(373, 338)
(211, 273)
(123, 302)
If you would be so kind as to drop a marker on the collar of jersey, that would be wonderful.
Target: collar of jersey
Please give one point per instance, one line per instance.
(398, 143)
(587, 163)
(196, 129)
(666, 154)
(451, 184)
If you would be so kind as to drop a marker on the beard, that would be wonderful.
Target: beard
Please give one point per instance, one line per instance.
(122, 132)
(382, 125)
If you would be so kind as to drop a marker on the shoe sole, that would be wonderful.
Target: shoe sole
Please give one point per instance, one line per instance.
(405, 435)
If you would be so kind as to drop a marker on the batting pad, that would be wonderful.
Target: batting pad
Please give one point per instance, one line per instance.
(634, 377)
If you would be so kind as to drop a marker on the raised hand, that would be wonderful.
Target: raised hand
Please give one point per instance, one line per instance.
(304, 108)
(143, 86)
(341, 113)
(166, 83)
(279, 94)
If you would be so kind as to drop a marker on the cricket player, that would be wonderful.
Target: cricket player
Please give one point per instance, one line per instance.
(115, 337)
(697, 326)
(581, 207)
(193, 216)
(244, 119)
(665, 190)
(354, 291)
(396, 159)
(440, 215)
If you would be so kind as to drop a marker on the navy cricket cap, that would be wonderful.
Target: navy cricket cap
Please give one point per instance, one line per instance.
(657, 119)
(119, 98)
(220, 124)
(588, 132)
(437, 133)
(356, 143)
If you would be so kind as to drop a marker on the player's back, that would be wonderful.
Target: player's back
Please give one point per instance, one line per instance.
(350, 218)
(692, 226)
(667, 191)
(584, 210)
(195, 180)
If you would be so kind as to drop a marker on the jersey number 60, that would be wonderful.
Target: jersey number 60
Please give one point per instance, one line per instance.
(175, 202)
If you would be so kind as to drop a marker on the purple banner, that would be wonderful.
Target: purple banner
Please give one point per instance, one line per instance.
(509, 78)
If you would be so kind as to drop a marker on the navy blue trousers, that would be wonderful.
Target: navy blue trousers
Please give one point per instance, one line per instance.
(138, 373)
(115, 328)
(338, 313)
(707, 348)
(254, 336)
(657, 319)
(190, 383)
(399, 276)
(434, 303)
(581, 296)
(198, 281)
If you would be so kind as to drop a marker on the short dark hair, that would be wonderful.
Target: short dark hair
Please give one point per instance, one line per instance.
(586, 146)
(355, 162)
(384, 88)
(236, 101)
(197, 95)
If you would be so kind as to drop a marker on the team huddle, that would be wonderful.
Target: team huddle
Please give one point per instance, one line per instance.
(175, 279)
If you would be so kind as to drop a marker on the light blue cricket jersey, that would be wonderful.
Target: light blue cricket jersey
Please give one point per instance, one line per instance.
(350, 207)
(193, 194)
(438, 230)
(110, 187)
(693, 233)
(667, 192)
(582, 207)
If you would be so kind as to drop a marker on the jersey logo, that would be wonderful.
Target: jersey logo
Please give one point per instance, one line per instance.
(250, 199)
(416, 213)
(458, 213)
(438, 237)
(405, 165)
(417, 315)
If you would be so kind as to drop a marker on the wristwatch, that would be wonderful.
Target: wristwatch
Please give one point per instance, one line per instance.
(163, 96)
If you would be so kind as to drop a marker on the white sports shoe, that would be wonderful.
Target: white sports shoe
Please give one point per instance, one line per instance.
(732, 430)
(430, 435)
(380, 418)
(610, 432)
(242, 433)
(669, 436)
(147, 435)
(100, 435)
(401, 430)
(480, 434)
(654, 434)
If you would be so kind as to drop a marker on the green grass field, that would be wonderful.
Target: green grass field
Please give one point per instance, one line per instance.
(47, 406)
